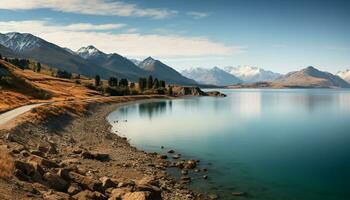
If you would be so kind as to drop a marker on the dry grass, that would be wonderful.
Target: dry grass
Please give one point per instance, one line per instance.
(6, 165)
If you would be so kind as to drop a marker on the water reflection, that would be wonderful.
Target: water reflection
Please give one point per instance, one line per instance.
(154, 109)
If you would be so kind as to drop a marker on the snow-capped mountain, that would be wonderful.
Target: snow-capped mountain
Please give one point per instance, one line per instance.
(20, 42)
(213, 76)
(344, 75)
(252, 74)
(135, 61)
(89, 52)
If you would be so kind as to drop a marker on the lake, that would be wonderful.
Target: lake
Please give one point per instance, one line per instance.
(271, 143)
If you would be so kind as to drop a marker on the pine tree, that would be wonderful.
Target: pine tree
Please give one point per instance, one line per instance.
(156, 83)
(162, 83)
(150, 82)
(113, 81)
(97, 80)
(123, 82)
(38, 67)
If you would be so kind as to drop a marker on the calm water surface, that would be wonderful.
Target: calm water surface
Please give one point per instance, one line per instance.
(273, 144)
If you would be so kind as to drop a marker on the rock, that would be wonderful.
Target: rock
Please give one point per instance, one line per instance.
(184, 172)
(118, 193)
(25, 153)
(17, 148)
(89, 195)
(205, 177)
(77, 151)
(126, 184)
(191, 164)
(43, 149)
(74, 188)
(213, 196)
(85, 182)
(64, 173)
(136, 196)
(176, 156)
(87, 155)
(151, 180)
(26, 171)
(204, 169)
(107, 183)
(56, 196)
(197, 170)
(55, 181)
(155, 192)
(162, 147)
(162, 156)
(185, 179)
(42, 161)
(171, 151)
(69, 161)
(38, 153)
(239, 193)
(103, 157)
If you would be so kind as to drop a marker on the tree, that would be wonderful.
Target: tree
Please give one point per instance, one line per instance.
(142, 83)
(123, 82)
(97, 80)
(170, 91)
(156, 83)
(63, 74)
(162, 83)
(113, 81)
(132, 85)
(0, 57)
(38, 67)
(150, 82)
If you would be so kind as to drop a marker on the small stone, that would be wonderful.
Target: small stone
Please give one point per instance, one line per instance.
(184, 172)
(176, 156)
(171, 151)
(74, 188)
(136, 196)
(213, 196)
(162, 156)
(239, 193)
(205, 177)
(56, 182)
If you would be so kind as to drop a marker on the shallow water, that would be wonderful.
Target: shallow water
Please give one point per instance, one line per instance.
(272, 144)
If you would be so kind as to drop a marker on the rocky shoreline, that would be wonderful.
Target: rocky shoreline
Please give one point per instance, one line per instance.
(77, 157)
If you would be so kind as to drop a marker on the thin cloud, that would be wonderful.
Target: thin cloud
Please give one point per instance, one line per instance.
(197, 15)
(90, 7)
(128, 44)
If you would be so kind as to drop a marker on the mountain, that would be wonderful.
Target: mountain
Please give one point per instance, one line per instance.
(252, 74)
(4, 51)
(214, 76)
(26, 45)
(135, 61)
(113, 62)
(164, 72)
(344, 75)
(312, 77)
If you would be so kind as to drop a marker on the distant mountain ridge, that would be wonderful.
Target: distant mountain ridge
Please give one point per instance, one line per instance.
(345, 75)
(213, 76)
(312, 77)
(252, 74)
(163, 71)
(88, 61)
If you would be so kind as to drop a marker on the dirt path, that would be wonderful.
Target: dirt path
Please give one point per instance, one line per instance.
(12, 114)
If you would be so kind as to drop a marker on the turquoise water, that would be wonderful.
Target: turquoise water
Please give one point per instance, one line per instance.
(272, 144)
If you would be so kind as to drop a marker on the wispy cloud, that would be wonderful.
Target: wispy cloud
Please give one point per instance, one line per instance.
(91, 7)
(128, 44)
(197, 15)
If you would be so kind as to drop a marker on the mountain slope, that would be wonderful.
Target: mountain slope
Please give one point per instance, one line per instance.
(312, 77)
(164, 72)
(30, 46)
(344, 75)
(252, 74)
(214, 76)
(113, 62)
(4, 51)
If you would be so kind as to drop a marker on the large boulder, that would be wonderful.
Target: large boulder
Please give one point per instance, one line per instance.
(154, 192)
(89, 195)
(118, 193)
(85, 182)
(42, 161)
(55, 181)
(137, 196)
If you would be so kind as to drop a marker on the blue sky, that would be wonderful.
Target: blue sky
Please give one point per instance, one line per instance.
(276, 35)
